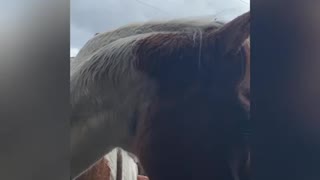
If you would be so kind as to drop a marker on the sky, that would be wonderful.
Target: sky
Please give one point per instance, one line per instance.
(91, 16)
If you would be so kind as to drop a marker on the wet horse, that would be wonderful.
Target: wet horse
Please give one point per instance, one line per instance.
(174, 93)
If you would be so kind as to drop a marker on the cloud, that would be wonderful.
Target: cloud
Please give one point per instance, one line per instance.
(90, 17)
(73, 52)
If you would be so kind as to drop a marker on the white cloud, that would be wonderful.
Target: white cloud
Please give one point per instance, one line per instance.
(73, 52)
(90, 17)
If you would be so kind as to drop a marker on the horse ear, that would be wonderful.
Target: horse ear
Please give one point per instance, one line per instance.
(168, 57)
(232, 35)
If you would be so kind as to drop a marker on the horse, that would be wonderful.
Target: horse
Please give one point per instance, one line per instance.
(175, 93)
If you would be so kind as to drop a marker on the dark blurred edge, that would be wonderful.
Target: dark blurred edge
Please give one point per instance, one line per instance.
(281, 147)
(34, 95)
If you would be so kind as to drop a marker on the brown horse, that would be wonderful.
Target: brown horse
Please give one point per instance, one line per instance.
(175, 93)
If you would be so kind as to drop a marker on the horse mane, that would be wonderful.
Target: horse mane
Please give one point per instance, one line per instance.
(163, 91)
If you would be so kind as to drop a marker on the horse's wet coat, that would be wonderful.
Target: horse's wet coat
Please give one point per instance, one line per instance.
(175, 93)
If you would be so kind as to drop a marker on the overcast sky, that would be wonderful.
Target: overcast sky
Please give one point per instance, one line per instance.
(91, 16)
